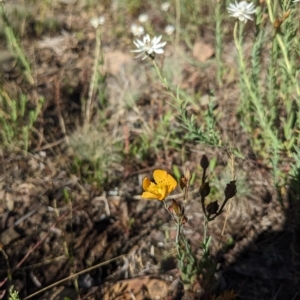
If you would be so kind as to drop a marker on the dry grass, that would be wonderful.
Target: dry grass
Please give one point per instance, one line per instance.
(134, 127)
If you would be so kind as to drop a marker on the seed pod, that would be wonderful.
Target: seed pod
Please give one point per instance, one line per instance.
(187, 174)
(212, 208)
(204, 162)
(230, 190)
(176, 208)
(204, 189)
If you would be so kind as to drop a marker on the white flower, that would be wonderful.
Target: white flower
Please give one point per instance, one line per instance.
(169, 29)
(97, 21)
(149, 47)
(143, 18)
(295, 1)
(165, 6)
(241, 10)
(137, 30)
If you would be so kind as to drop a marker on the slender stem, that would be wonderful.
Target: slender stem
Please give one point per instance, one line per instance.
(242, 63)
(167, 209)
(88, 109)
(161, 78)
(203, 207)
(218, 44)
(177, 34)
(178, 233)
(205, 230)
(222, 206)
(219, 211)
(203, 176)
(186, 192)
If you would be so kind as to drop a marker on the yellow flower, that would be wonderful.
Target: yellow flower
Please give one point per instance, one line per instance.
(163, 186)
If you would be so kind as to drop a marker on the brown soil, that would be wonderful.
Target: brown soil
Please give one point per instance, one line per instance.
(54, 223)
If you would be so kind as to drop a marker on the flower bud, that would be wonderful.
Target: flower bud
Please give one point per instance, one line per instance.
(187, 174)
(204, 162)
(204, 189)
(183, 182)
(176, 208)
(230, 190)
(185, 179)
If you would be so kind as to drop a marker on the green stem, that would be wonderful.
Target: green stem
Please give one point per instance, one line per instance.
(177, 33)
(161, 78)
(218, 19)
(178, 233)
(205, 230)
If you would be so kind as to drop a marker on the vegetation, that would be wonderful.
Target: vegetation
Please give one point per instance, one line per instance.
(222, 82)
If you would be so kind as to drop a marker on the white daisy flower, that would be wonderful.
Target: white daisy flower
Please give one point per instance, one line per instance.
(165, 6)
(149, 47)
(137, 30)
(241, 10)
(169, 29)
(143, 18)
(95, 22)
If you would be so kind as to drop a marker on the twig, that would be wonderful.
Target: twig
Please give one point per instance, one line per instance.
(58, 110)
(177, 33)
(72, 276)
(49, 145)
(88, 108)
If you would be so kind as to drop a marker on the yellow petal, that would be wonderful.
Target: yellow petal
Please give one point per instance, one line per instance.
(146, 183)
(165, 184)
(163, 191)
(171, 183)
(148, 195)
(160, 177)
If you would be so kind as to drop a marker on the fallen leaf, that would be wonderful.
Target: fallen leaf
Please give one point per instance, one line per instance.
(138, 289)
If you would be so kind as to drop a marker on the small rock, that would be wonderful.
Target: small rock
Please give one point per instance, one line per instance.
(202, 51)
